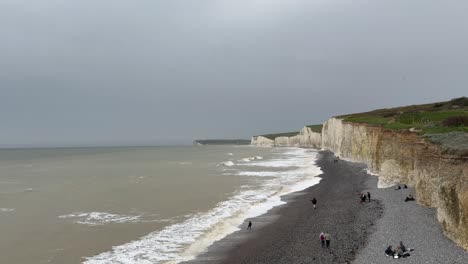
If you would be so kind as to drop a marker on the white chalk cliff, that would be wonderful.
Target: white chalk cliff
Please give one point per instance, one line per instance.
(306, 139)
(438, 174)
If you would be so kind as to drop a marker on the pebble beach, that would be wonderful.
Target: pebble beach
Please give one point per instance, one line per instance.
(360, 231)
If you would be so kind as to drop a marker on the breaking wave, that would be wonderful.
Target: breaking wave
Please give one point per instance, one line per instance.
(100, 218)
(185, 240)
(228, 163)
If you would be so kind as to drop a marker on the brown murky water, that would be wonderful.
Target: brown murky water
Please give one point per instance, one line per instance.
(63, 205)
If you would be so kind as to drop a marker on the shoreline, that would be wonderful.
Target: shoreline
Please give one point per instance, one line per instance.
(289, 233)
(360, 231)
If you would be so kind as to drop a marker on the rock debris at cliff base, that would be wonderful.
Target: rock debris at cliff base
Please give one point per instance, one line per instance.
(415, 225)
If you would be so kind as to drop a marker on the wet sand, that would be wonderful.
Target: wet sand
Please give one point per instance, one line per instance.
(290, 233)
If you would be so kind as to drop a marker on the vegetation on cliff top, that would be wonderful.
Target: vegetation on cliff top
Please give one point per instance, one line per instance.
(222, 142)
(316, 128)
(287, 134)
(442, 117)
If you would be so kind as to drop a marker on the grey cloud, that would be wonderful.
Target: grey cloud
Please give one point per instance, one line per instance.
(152, 72)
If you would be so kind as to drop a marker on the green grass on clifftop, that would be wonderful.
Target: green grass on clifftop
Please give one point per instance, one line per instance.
(287, 134)
(315, 128)
(442, 117)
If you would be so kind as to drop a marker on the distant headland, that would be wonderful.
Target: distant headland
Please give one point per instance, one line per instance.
(202, 142)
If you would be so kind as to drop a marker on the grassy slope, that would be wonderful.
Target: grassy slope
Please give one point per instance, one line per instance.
(287, 134)
(428, 118)
(315, 128)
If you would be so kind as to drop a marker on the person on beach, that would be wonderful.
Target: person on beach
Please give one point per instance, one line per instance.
(322, 239)
(249, 227)
(404, 186)
(409, 198)
(368, 196)
(405, 249)
(327, 239)
(389, 251)
(314, 202)
(402, 246)
(398, 188)
(363, 197)
(398, 253)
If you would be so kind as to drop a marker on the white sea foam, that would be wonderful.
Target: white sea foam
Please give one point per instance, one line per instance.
(267, 173)
(278, 163)
(7, 209)
(228, 163)
(185, 240)
(251, 159)
(100, 218)
(230, 154)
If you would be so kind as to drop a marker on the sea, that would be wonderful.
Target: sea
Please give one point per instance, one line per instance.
(138, 204)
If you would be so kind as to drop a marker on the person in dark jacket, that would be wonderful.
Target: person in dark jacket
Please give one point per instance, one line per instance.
(368, 196)
(402, 246)
(409, 198)
(389, 251)
(363, 197)
(314, 202)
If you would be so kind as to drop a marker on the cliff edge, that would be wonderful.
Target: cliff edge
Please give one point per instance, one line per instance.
(307, 137)
(423, 146)
(440, 177)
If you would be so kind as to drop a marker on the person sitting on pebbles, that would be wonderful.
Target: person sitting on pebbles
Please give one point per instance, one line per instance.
(389, 251)
(409, 198)
(399, 252)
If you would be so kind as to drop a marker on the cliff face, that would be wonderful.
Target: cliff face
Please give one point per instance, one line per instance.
(306, 138)
(262, 141)
(439, 176)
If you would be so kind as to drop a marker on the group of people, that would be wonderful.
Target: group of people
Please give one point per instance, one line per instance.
(399, 252)
(365, 196)
(399, 187)
(409, 197)
(325, 239)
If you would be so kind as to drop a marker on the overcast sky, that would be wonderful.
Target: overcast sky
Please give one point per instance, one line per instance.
(153, 72)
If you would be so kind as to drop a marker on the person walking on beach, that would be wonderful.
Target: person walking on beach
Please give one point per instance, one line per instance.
(249, 227)
(314, 202)
(368, 196)
(363, 197)
(322, 239)
(327, 239)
